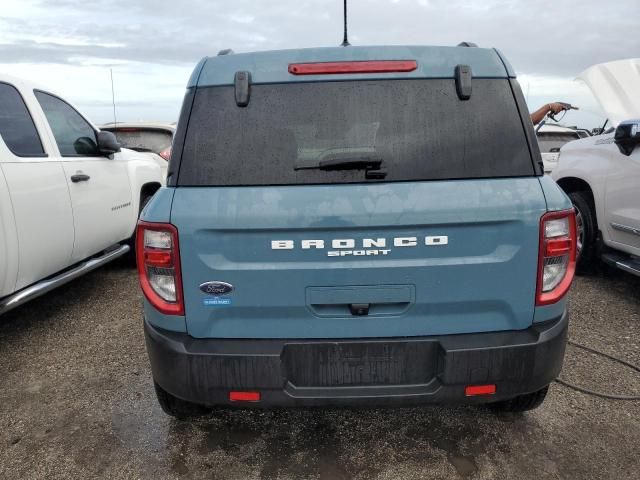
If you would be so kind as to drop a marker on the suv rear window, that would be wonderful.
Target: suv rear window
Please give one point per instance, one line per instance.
(418, 128)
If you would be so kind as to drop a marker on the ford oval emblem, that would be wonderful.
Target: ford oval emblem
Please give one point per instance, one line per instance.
(216, 288)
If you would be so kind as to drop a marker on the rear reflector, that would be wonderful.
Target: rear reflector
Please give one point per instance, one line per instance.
(324, 68)
(473, 390)
(157, 258)
(244, 396)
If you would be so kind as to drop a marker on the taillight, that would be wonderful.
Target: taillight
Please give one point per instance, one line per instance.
(158, 259)
(366, 66)
(557, 257)
(166, 154)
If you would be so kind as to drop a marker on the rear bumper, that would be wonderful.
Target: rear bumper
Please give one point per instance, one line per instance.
(386, 371)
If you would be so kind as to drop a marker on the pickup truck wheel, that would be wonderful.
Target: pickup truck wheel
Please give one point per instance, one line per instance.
(521, 403)
(586, 230)
(177, 408)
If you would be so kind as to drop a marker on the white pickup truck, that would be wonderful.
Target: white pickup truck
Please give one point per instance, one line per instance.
(601, 174)
(69, 196)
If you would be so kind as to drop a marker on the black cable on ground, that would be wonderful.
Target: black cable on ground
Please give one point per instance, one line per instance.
(600, 394)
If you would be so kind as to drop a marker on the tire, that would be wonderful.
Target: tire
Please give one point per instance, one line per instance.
(521, 403)
(177, 408)
(132, 240)
(587, 227)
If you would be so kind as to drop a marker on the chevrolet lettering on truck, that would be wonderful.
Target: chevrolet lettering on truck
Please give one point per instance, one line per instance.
(345, 226)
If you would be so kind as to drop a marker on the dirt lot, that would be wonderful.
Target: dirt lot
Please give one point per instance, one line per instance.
(76, 401)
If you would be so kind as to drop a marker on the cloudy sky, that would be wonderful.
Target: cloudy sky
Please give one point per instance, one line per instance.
(152, 45)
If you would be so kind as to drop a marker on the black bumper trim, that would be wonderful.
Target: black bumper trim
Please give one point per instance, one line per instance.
(203, 371)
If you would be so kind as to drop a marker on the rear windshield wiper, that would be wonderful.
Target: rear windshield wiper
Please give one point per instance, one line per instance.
(352, 163)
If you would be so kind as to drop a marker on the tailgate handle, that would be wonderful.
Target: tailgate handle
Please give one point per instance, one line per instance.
(360, 300)
(359, 309)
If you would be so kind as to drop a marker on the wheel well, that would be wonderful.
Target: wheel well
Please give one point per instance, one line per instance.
(572, 185)
(148, 189)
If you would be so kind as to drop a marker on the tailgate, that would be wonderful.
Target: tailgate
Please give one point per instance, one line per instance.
(358, 261)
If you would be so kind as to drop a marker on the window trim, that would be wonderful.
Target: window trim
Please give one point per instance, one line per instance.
(26, 106)
(95, 131)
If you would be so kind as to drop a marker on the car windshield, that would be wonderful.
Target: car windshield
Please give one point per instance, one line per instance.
(143, 139)
(420, 130)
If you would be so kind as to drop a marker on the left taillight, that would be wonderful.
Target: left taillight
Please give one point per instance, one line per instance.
(158, 259)
(557, 256)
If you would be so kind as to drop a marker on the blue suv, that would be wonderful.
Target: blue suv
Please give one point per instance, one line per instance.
(355, 226)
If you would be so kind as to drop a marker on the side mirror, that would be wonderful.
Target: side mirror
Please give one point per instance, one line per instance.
(627, 136)
(108, 143)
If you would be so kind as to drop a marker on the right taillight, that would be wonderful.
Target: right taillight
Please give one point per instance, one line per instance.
(557, 256)
(158, 259)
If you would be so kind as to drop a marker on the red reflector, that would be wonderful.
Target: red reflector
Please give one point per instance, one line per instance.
(379, 66)
(157, 258)
(128, 129)
(473, 390)
(244, 396)
(558, 246)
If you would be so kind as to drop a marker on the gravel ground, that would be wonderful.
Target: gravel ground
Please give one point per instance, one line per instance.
(77, 401)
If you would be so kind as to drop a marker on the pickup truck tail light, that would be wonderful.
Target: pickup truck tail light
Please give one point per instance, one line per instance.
(166, 153)
(557, 257)
(158, 259)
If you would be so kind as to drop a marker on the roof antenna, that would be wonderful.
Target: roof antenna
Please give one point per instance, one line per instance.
(345, 40)
(113, 99)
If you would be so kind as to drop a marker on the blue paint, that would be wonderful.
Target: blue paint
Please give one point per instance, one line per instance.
(159, 207)
(483, 280)
(174, 323)
(555, 197)
(272, 66)
(550, 312)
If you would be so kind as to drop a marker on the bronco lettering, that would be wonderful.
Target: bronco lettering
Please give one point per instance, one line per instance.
(345, 246)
